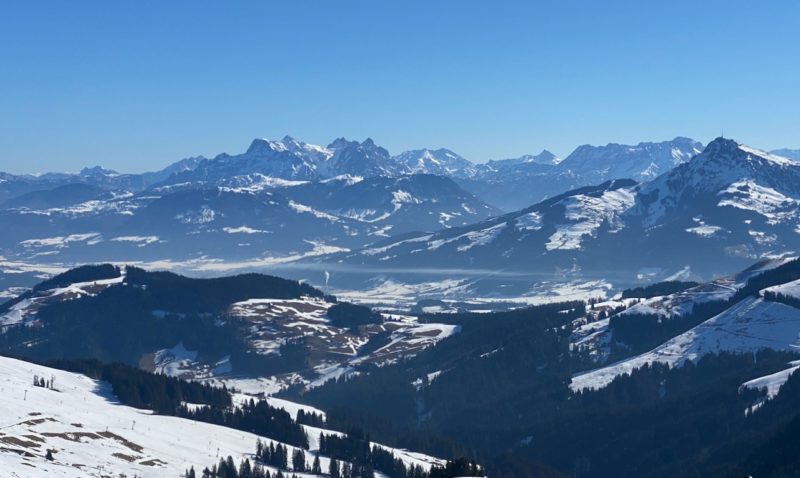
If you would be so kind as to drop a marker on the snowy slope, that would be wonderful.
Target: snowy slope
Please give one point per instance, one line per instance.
(564, 223)
(773, 382)
(91, 434)
(790, 289)
(750, 325)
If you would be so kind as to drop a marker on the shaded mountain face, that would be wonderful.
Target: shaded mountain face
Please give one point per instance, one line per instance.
(726, 207)
(58, 197)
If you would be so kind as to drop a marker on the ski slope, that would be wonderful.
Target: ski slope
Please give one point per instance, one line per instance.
(91, 434)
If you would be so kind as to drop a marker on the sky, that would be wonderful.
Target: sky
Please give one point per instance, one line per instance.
(136, 85)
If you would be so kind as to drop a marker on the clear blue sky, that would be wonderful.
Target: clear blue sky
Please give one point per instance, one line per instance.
(135, 85)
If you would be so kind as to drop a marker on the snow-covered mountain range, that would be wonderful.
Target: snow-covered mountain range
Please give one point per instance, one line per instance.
(291, 159)
(726, 207)
(517, 183)
(658, 208)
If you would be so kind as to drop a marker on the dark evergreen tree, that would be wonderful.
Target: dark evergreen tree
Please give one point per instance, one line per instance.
(333, 468)
(299, 460)
(245, 470)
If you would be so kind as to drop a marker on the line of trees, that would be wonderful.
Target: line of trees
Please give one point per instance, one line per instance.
(356, 448)
(254, 417)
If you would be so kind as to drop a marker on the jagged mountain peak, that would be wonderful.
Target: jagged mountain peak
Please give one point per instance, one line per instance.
(440, 161)
(339, 143)
(588, 152)
(97, 171)
(260, 146)
(725, 158)
(546, 157)
(722, 175)
(367, 144)
(263, 146)
(723, 146)
(642, 162)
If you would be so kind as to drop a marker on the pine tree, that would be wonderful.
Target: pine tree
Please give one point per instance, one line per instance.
(229, 464)
(280, 457)
(299, 460)
(316, 468)
(333, 468)
(245, 471)
(259, 450)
